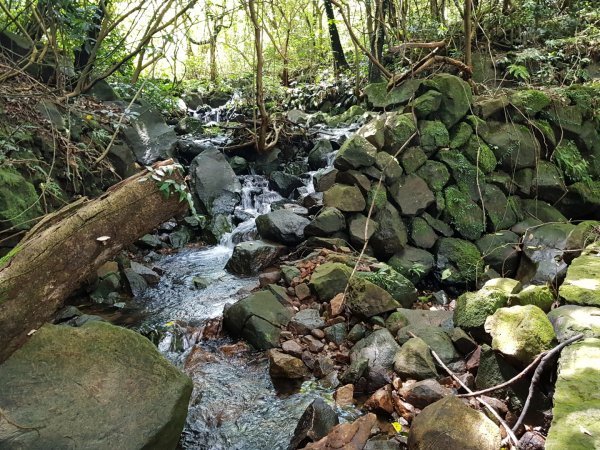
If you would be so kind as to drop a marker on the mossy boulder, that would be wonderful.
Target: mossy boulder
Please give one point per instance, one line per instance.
(582, 200)
(456, 100)
(520, 332)
(433, 135)
(355, 153)
(377, 198)
(345, 198)
(473, 309)
(427, 104)
(373, 131)
(390, 167)
(398, 131)
(378, 95)
(435, 174)
(582, 283)
(19, 203)
(412, 195)
(97, 386)
(413, 263)
(466, 175)
(329, 221)
(398, 286)
(367, 299)
(391, 236)
(457, 261)
(329, 279)
(464, 214)
(414, 361)
(421, 233)
(501, 251)
(499, 210)
(514, 145)
(435, 337)
(412, 158)
(576, 402)
(542, 211)
(540, 296)
(548, 183)
(480, 154)
(570, 320)
(529, 102)
(460, 135)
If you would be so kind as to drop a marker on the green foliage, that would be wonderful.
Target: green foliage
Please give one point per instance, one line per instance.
(569, 160)
(518, 72)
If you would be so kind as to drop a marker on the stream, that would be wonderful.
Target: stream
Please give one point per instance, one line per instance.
(235, 404)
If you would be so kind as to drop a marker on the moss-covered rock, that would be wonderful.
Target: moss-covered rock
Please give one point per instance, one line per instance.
(414, 361)
(329, 279)
(464, 214)
(412, 195)
(540, 296)
(433, 135)
(356, 152)
(427, 104)
(328, 221)
(412, 158)
(373, 131)
(500, 212)
(568, 158)
(457, 261)
(421, 234)
(480, 154)
(514, 145)
(345, 198)
(360, 229)
(466, 175)
(19, 203)
(367, 299)
(399, 128)
(582, 200)
(435, 174)
(529, 101)
(414, 263)
(542, 211)
(391, 236)
(460, 134)
(473, 309)
(379, 97)
(582, 283)
(571, 320)
(398, 286)
(501, 251)
(548, 183)
(390, 167)
(576, 402)
(457, 98)
(377, 197)
(520, 332)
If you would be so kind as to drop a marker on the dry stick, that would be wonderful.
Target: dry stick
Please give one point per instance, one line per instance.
(509, 432)
(538, 373)
(509, 382)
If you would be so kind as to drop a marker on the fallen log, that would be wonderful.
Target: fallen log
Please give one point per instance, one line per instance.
(63, 250)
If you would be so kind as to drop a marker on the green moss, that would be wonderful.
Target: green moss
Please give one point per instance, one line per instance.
(461, 258)
(480, 154)
(19, 203)
(398, 130)
(435, 174)
(412, 158)
(473, 308)
(377, 197)
(548, 138)
(346, 117)
(460, 135)
(540, 296)
(464, 173)
(586, 97)
(433, 135)
(475, 122)
(568, 158)
(530, 101)
(6, 258)
(427, 103)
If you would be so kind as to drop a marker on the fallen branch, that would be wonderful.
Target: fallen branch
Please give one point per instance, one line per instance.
(509, 432)
(400, 48)
(537, 374)
(425, 63)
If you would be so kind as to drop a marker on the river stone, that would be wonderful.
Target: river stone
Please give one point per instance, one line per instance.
(570, 320)
(421, 234)
(215, 183)
(379, 97)
(306, 320)
(398, 286)
(435, 174)
(499, 210)
(354, 178)
(399, 129)
(438, 226)
(378, 349)
(251, 257)
(414, 361)
(315, 423)
(414, 263)
(412, 159)
(456, 100)
(324, 179)
(282, 365)
(19, 203)
(373, 132)
(432, 135)
(452, 425)
(284, 183)
(501, 251)
(98, 386)
(258, 319)
(424, 393)
(457, 261)
(548, 183)
(473, 308)
(480, 154)
(390, 237)
(520, 332)
(318, 156)
(544, 251)
(514, 145)
(282, 226)
(412, 195)
(336, 333)
(355, 153)
(345, 198)
(582, 283)
(329, 279)
(427, 104)
(347, 435)
(435, 337)
(359, 227)
(329, 221)
(576, 413)
(389, 166)
(418, 318)
(540, 296)
(367, 299)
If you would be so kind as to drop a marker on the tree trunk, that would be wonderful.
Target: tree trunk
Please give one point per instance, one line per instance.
(261, 139)
(339, 59)
(468, 33)
(377, 40)
(62, 251)
(84, 53)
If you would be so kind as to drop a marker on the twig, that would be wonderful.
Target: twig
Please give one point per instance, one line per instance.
(509, 382)
(538, 372)
(407, 45)
(509, 432)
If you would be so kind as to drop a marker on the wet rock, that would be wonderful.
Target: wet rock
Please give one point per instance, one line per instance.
(315, 423)
(251, 257)
(413, 263)
(424, 393)
(379, 349)
(258, 319)
(336, 333)
(570, 320)
(381, 400)
(451, 424)
(367, 299)
(137, 399)
(306, 320)
(359, 228)
(582, 283)
(329, 279)
(284, 183)
(329, 221)
(201, 282)
(414, 361)
(344, 396)
(349, 436)
(282, 365)
(520, 332)
(501, 251)
(355, 153)
(457, 261)
(282, 226)
(345, 198)
(137, 284)
(325, 179)
(575, 423)
(412, 195)
(398, 286)
(391, 237)
(318, 156)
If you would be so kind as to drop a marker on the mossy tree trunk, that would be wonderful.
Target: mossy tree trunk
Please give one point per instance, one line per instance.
(62, 251)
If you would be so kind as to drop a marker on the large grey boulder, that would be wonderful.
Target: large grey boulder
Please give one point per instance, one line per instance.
(570, 320)
(391, 235)
(456, 98)
(251, 257)
(452, 425)
(97, 386)
(379, 349)
(355, 153)
(414, 360)
(412, 195)
(150, 138)
(215, 183)
(282, 226)
(258, 319)
(514, 145)
(329, 279)
(367, 299)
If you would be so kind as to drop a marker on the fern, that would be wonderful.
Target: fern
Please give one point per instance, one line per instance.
(518, 72)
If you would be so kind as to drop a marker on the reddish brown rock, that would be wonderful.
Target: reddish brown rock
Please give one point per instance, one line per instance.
(381, 400)
(282, 365)
(344, 396)
(336, 305)
(347, 436)
(302, 291)
(292, 348)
